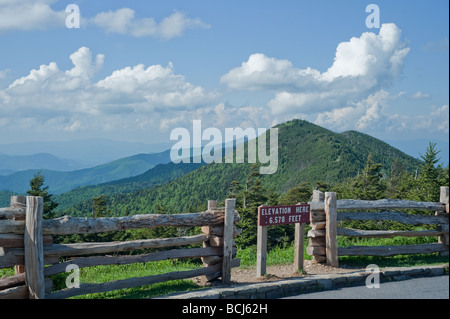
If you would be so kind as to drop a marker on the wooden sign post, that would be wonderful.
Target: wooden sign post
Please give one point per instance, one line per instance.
(279, 215)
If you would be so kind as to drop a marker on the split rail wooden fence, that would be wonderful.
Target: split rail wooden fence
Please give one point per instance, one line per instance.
(327, 211)
(26, 244)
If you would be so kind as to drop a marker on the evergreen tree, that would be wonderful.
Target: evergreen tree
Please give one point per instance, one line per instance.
(400, 181)
(323, 186)
(37, 188)
(254, 195)
(99, 207)
(369, 185)
(428, 181)
(235, 191)
(297, 194)
(250, 182)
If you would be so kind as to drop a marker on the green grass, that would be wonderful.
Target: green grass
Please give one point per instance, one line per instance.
(100, 274)
(393, 261)
(6, 272)
(396, 241)
(285, 254)
(276, 256)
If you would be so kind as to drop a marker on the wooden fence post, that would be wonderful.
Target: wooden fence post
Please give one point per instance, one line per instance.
(18, 202)
(211, 233)
(33, 248)
(444, 199)
(212, 204)
(228, 228)
(316, 245)
(299, 242)
(331, 229)
(261, 248)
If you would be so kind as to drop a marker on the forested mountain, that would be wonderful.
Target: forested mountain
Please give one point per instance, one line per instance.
(307, 153)
(60, 182)
(10, 164)
(5, 198)
(157, 175)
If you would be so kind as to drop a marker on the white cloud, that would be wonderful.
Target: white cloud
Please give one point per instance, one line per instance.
(3, 73)
(420, 95)
(154, 87)
(437, 46)
(71, 98)
(49, 79)
(436, 120)
(123, 21)
(38, 15)
(370, 56)
(367, 114)
(372, 115)
(361, 67)
(219, 116)
(29, 15)
(263, 73)
(83, 65)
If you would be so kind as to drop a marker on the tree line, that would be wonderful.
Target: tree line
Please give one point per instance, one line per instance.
(371, 183)
(422, 184)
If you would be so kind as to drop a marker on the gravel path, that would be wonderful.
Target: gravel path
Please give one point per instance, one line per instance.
(247, 275)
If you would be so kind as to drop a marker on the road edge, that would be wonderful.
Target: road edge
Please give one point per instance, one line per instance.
(308, 283)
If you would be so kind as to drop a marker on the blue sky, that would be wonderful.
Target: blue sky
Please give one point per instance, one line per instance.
(135, 70)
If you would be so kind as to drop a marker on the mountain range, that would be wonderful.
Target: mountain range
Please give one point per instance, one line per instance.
(82, 153)
(14, 163)
(60, 181)
(307, 153)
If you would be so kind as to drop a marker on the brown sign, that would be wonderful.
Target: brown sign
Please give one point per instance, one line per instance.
(278, 215)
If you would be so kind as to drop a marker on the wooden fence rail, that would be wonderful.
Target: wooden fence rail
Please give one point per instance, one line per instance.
(25, 240)
(327, 212)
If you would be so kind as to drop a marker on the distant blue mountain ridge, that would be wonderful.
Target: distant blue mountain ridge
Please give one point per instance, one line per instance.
(63, 181)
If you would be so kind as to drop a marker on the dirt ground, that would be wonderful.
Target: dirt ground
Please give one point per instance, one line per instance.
(279, 272)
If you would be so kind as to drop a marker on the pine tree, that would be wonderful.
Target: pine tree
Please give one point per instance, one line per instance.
(99, 207)
(297, 194)
(37, 188)
(369, 185)
(253, 196)
(235, 191)
(400, 181)
(429, 178)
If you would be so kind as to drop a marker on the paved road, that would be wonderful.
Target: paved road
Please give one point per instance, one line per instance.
(417, 288)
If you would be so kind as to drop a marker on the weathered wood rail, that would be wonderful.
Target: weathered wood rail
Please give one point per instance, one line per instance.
(26, 244)
(327, 212)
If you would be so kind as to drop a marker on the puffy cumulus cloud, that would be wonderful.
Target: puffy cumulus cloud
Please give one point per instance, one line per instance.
(219, 116)
(154, 87)
(39, 15)
(367, 114)
(49, 78)
(29, 15)
(362, 66)
(123, 21)
(83, 65)
(261, 73)
(70, 97)
(372, 56)
(372, 115)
